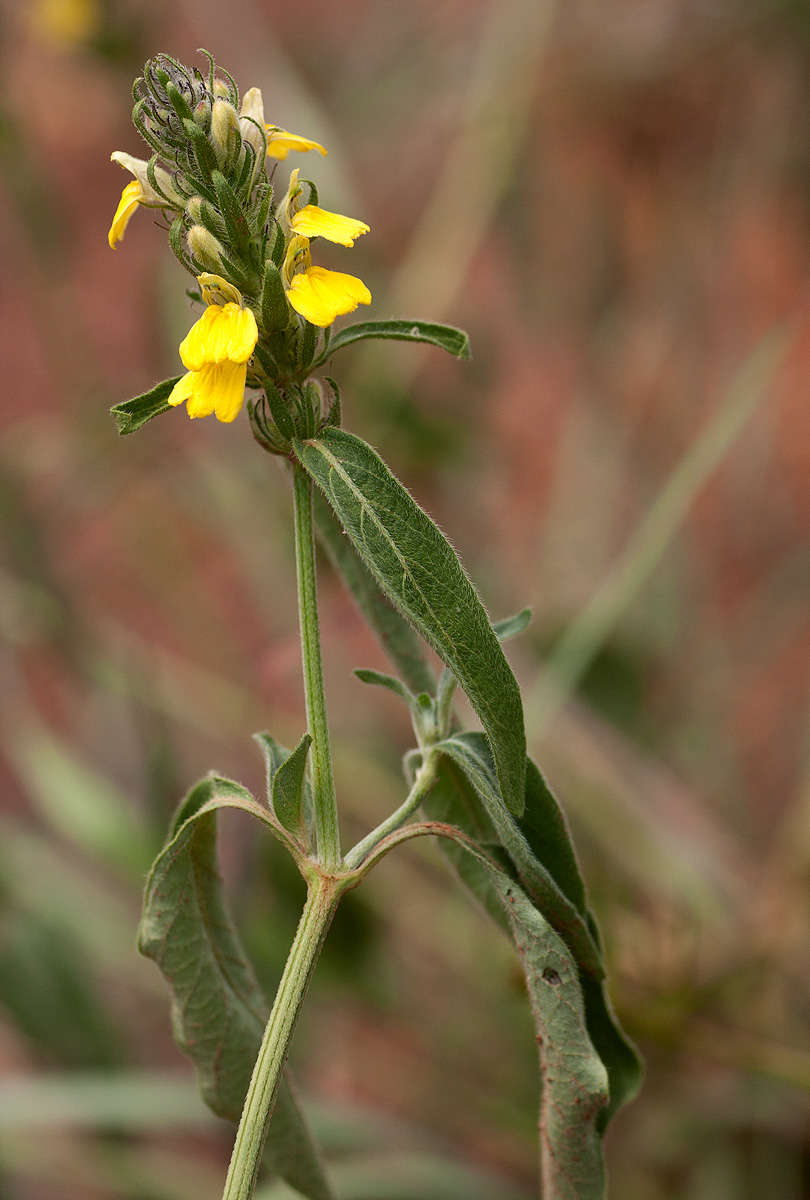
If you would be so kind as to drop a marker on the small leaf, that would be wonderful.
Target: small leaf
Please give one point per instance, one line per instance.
(275, 311)
(395, 634)
(471, 753)
(378, 679)
(417, 567)
(288, 787)
(218, 1009)
(510, 627)
(274, 756)
(446, 337)
(133, 414)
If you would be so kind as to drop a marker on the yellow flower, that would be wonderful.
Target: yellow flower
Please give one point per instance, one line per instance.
(317, 294)
(312, 222)
(280, 142)
(215, 351)
(139, 191)
(130, 199)
(321, 295)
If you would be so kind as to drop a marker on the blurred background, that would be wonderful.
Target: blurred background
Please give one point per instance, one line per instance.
(613, 197)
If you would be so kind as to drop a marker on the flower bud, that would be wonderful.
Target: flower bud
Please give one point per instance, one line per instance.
(225, 136)
(194, 209)
(205, 247)
(221, 90)
(202, 114)
(251, 120)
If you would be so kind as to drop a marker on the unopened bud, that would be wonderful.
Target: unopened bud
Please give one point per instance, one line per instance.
(225, 135)
(251, 120)
(194, 209)
(221, 90)
(202, 114)
(205, 247)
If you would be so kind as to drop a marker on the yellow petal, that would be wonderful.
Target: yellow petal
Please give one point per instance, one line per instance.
(130, 199)
(218, 388)
(321, 295)
(224, 333)
(181, 390)
(280, 142)
(312, 221)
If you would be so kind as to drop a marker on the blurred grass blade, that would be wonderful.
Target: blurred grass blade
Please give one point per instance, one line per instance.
(582, 641)
(218, 1009)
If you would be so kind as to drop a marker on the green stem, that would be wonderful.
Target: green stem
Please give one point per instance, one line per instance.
(424, 781)
(322, 900)
(323, 784)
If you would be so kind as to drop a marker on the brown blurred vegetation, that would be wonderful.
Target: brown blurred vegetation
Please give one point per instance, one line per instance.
(614, 199)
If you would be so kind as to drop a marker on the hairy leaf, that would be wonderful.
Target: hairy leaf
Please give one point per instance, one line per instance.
(455, 800)
(288, 787)
(379, 679)
(446, 337)
(131, 415)
(395, 634)
(574, 1081)
(218, 1009)
(471, 753)
(416, 566)
(510, 627)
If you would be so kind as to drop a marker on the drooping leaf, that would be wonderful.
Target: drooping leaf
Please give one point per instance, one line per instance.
(574, 1082)
(131, 415)
(395, 634)
(416, 566)
(218, 1009)
(470, 752)
(455, 800)
(446, 337)
(288, 787)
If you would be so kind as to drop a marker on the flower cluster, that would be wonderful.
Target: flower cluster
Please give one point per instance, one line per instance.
(266, 301)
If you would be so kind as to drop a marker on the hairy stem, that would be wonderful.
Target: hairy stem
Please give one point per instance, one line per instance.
(424, 781)
(323, 785)
(322, 900)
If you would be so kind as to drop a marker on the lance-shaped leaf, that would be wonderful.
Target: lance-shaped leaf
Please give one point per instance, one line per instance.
(218, 1009)
(417, 567)
(470, 752)
(396, 636)
(455, 800)
(131, 415)
(446, 337)
(574, 1082)
(288, 787)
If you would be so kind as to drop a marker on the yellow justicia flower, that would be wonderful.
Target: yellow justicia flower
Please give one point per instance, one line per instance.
(215, 351)
(130, 199)
(317, 294)
(312, 222)
(280, 142)
(139, 191)
(321, 295)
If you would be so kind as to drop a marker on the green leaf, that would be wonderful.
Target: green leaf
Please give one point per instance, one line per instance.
(573, 1078)
(288, 787)
(396, 636)
(510, 627)
(218, 1009)
(132, 414)
(446, 337)
(378, 679)
(417, 567)
(471, 753)
(455, 800)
